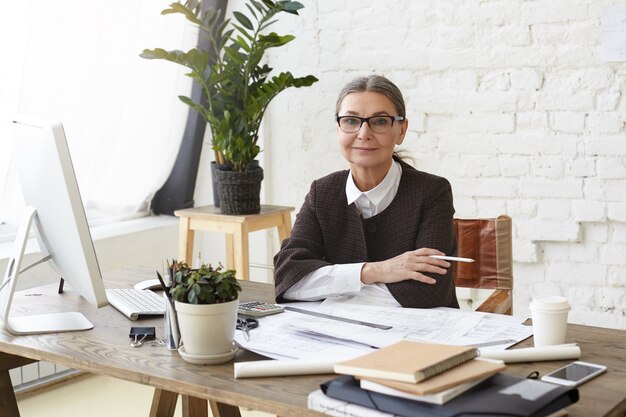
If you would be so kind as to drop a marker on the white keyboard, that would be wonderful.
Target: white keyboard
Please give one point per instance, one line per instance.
(134, 303)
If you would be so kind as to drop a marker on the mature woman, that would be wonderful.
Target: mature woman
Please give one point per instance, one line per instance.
(370, 230)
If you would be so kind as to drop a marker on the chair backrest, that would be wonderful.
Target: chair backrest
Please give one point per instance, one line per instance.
(489, 243)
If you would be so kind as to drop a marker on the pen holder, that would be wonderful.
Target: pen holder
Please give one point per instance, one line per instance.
(170, 325)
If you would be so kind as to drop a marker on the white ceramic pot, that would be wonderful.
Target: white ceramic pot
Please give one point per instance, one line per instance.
(207, 329)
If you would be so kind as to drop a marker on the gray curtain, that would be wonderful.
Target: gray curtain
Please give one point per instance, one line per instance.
(177, 192)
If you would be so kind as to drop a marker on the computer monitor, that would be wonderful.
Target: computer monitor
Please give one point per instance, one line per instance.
(55, 212)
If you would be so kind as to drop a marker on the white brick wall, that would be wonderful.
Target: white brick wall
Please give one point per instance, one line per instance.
(508, 99)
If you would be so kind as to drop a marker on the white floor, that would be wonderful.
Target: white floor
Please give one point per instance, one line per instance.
(96, 396)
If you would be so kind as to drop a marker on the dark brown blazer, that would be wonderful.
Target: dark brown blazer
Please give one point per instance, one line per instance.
(328, 231)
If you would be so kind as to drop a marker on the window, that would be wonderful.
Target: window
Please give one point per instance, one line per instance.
(78, 62)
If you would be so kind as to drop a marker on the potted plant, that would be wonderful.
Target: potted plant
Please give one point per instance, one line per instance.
(206, 301)
(238, 89)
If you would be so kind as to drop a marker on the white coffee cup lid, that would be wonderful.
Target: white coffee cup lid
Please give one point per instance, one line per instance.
(550, 302)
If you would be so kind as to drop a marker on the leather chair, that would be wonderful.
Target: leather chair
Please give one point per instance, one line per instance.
(489, 243)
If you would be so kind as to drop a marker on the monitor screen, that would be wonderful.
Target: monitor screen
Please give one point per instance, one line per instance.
(50, 191)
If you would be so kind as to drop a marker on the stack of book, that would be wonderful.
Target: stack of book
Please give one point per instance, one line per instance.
(421, 371)
(413, 379)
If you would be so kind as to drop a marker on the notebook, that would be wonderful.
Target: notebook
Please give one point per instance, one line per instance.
(469, 371)
(407, 361)
(440, 397)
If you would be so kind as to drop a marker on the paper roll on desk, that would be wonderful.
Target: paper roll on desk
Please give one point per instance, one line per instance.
(534, 354)
(282, 368)
(310, 367)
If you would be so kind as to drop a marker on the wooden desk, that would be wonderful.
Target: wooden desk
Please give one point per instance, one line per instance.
(105, 350)
(236, 228)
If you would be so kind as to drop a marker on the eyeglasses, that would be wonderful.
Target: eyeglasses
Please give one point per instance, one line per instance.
(378, 124)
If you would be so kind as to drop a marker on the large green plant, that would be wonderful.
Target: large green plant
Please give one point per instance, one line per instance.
(238, 88)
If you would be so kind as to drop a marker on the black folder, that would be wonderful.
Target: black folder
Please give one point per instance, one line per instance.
(499, 395)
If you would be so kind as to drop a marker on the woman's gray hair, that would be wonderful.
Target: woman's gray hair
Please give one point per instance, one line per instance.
(374, 84)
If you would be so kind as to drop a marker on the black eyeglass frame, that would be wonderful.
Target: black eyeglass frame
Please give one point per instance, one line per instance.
(367, 120)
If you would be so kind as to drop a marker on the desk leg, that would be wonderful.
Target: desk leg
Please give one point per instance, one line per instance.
(195, 407)
(8, 404)
(185, 241)
(163, 403)
(223, 410)
(242, 254)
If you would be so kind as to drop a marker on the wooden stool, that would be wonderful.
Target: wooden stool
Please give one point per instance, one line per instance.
(236, 228)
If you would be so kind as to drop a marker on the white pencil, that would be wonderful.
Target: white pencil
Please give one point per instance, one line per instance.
(451, 258)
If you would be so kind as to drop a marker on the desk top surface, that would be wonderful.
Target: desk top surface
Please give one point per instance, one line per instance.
(106, 350)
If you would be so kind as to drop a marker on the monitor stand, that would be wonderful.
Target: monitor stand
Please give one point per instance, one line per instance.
(32, 324)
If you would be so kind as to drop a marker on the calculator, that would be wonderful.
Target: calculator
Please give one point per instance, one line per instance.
(259, 309)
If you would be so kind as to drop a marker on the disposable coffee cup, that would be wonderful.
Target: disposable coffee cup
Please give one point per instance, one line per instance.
(549, 314)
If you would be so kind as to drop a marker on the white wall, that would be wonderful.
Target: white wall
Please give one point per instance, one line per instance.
(508, 99)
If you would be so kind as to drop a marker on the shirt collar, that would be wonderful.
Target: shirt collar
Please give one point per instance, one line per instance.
(378, 193)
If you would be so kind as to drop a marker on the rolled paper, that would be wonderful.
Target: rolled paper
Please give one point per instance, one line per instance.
(282, 367)
(534, 354)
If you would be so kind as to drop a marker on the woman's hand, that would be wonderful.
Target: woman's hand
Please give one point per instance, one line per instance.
(408, 265)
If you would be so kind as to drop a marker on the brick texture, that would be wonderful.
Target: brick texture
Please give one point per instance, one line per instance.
(508, 99)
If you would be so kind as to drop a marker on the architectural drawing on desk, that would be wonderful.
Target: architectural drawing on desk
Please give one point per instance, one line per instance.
(277, 339)
(411, 324)
(496, 327)
(288, 335)
(439, 325)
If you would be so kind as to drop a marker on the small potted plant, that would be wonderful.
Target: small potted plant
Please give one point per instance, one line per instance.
(238, 87)
(206, 301)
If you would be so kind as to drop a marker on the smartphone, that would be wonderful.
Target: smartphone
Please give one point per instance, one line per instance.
(574, 374)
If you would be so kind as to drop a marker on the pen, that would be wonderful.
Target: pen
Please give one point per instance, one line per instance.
(163, 286)
(451, 258)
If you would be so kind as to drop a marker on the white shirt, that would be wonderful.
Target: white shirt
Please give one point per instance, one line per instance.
(341, 279)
